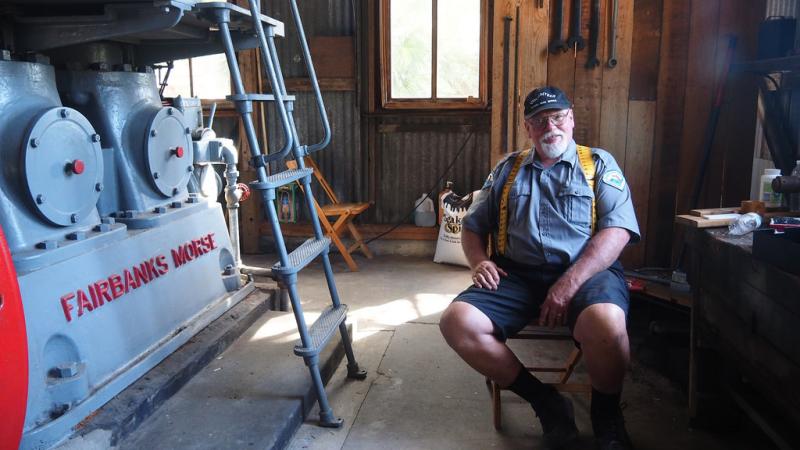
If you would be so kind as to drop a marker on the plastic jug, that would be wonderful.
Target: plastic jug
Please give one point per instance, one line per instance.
(770, 198)
(424, 214)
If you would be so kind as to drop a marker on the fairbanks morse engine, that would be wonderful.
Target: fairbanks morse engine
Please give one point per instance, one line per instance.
(111, 258)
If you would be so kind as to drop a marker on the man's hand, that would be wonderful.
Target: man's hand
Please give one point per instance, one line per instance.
(487, 275)
(554, 309)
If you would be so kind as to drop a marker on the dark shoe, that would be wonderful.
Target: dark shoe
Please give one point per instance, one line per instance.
(558, 422)
(609, 431)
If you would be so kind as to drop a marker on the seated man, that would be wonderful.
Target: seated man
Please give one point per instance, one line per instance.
(555, 244)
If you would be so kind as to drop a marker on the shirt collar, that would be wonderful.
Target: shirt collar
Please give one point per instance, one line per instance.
(570, 156)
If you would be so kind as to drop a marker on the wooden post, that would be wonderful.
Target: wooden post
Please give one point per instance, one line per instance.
(532, 63)
(502, 10)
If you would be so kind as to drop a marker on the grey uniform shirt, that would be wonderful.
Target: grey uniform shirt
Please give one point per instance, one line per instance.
(550, 209)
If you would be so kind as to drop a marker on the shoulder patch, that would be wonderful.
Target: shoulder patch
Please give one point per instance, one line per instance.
(614, 179)
(489, 181)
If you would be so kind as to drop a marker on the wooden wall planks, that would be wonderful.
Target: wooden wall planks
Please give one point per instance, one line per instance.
(673, 61)
(652, 110)
(561, 66)
(637, 167)
(588, 84)
(503, 10)
(741, 96)
(701, 79)
(614, 105)
(646, 47)
(532, 64)
(250, 211)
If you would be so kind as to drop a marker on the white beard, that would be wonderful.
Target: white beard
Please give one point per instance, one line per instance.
(554, 150)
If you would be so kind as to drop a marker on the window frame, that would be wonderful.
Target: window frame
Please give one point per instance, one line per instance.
(471, 103)
(190, 63)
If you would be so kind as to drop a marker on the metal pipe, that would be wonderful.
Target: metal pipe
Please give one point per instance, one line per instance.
(277, 89)
(211, 115)
(232, 197)
(312, 75)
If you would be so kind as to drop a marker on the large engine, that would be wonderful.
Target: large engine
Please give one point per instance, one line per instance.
(118, 259)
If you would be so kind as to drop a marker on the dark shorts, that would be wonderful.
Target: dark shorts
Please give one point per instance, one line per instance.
(518, 297)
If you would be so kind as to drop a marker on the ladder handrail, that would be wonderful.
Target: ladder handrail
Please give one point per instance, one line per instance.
(312, 75)
(255, 13)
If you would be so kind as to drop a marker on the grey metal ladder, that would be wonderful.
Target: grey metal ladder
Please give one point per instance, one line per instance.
(313, 339)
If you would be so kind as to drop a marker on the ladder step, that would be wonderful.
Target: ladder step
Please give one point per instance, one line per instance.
(257, 98)
(302, 255)
(281, 179)
(322, 330)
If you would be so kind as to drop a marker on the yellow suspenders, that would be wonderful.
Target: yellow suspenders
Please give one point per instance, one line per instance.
(588, 167)
(502, 234)
(587, 164)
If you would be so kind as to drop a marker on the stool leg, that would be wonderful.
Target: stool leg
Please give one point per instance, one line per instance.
(496, 410)
(572, 361)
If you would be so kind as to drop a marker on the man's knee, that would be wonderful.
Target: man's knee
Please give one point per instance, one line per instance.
(601, 323)
(461, 323)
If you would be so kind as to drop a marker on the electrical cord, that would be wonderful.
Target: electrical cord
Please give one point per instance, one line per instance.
(433, 188)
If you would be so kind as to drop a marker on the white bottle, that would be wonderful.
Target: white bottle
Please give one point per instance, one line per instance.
(424, 215)
(770, 198)
(794, 198)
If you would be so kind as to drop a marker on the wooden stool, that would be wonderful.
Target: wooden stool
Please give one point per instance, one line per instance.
(563, 384)
(342, 215)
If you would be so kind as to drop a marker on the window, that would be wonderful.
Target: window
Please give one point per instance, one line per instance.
(206, 77)
(433, 53)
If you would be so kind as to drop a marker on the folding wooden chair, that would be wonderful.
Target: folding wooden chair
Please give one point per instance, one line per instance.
(342, 214)
(535, 332)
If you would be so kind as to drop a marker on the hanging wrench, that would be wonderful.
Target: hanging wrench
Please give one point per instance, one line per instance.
(594, 35)
(575, 40)
(612, 58)
(558, 43)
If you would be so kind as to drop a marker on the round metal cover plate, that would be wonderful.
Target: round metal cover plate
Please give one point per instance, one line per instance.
(62, 165)
(169, 151)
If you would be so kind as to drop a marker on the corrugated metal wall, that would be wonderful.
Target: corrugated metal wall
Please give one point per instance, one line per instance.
(781, 8)
(320, 18)
(343, 161)
(411, 162)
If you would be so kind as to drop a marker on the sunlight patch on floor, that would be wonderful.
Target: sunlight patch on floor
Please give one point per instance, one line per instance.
(393, 313)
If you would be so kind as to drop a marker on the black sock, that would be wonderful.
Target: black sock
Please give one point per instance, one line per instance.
(531, 389)
(604, 403)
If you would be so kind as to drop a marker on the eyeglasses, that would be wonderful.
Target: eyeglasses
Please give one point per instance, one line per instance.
(557, 119)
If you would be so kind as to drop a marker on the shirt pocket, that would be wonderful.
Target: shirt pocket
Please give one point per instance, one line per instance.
(575, 203)
(519, 200)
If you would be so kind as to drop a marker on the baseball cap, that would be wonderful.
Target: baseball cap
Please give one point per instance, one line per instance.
(544, 98)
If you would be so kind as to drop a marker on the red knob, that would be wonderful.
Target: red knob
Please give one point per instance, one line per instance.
(245, 191)
(178, 152)
(78, 167)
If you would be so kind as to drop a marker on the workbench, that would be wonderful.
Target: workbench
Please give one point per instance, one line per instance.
(745, 335)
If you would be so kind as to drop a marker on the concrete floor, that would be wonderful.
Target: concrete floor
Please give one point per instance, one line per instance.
(420, 395)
